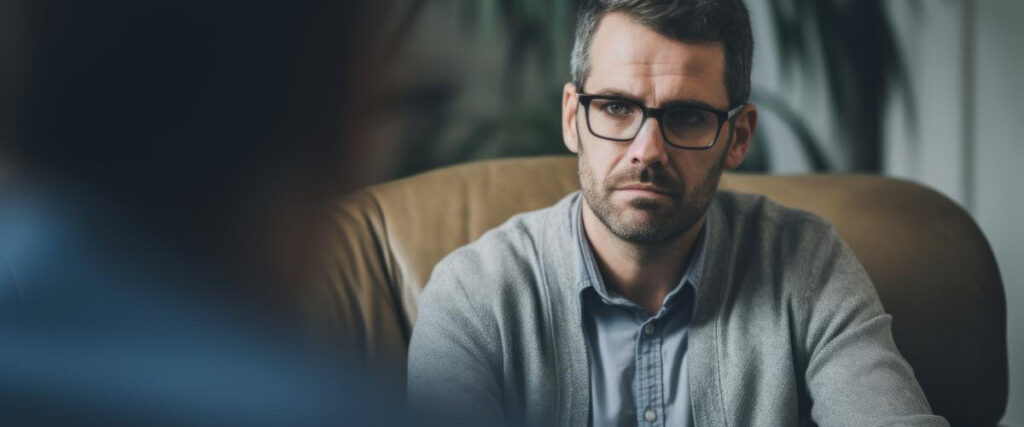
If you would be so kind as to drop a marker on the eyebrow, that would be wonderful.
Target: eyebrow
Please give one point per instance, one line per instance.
(682, 102)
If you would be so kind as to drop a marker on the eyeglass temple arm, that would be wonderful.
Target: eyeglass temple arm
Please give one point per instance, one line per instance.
(733, 112)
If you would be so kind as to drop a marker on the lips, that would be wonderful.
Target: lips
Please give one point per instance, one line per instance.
(647, 188)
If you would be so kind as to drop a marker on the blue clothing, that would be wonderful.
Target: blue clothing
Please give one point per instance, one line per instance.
(637, 362)
(100, 330)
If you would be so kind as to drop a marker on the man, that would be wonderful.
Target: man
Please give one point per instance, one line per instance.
(648, 298)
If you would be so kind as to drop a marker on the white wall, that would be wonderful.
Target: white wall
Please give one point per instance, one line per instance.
(932, 42)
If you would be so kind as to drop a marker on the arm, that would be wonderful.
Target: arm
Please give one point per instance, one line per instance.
(454, 354)
(854, 374)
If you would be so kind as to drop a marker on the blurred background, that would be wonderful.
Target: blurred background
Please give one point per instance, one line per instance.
(928, 91)
(924, 90)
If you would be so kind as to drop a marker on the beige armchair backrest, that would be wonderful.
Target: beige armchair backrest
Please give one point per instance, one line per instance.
(933, 268)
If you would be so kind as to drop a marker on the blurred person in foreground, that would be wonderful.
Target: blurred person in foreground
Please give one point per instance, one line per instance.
(650, 298)
(165, 169)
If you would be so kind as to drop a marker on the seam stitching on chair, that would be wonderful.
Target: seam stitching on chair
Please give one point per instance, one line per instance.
(383, 244)
(357, 315)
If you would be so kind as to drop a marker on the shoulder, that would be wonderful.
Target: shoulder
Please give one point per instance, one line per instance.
(506, 260)
(800, 249)
(753, 220)
(794, 258)
(801, 254)
(758, 210)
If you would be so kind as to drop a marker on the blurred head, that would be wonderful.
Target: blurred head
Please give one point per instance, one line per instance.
(658, 54)
(221, 126)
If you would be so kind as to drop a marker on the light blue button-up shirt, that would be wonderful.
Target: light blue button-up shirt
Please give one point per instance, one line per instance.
(637, 362)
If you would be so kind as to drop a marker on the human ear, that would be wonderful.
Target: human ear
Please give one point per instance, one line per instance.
(570, 105)
(743, 128)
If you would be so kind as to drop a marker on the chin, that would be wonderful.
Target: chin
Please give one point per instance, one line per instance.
(647, 224)
(644, 233)
(634, 219)
(647, 204)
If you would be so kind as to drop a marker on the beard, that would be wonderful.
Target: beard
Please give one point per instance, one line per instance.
(659, 220)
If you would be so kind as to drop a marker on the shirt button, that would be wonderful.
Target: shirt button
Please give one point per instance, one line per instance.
(650, 415)
(649, 329)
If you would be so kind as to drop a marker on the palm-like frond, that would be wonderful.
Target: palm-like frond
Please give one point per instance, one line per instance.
(863, 66)
(851, 40)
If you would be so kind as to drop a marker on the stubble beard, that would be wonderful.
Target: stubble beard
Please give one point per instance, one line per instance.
(665, 221)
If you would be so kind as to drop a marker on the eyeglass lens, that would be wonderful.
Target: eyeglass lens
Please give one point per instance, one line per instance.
(621, 120)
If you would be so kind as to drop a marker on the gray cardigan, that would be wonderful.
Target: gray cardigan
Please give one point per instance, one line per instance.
(787, 328)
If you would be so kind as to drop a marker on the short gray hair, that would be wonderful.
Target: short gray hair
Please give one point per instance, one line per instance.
(726, 21)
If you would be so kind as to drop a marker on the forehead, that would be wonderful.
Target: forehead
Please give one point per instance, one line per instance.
(626, 56)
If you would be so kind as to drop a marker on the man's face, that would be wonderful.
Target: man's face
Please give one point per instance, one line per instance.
(644, 190)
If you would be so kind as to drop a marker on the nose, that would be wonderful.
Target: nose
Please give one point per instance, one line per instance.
(649, 145)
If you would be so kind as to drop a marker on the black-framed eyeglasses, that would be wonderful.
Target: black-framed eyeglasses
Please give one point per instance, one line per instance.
(683, 126)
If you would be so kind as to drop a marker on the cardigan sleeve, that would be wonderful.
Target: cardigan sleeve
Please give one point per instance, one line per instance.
(855, 374)
(454, 355)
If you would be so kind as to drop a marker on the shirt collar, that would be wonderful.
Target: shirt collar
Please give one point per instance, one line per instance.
(590, 277)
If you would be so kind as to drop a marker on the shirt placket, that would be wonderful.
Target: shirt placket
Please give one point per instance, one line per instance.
(649, 399)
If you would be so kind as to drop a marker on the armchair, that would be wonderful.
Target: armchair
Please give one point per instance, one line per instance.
(933, 268)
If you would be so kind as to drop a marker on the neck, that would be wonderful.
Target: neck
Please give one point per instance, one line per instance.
(642, 273)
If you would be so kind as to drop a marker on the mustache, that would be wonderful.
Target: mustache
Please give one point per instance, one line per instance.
(648, 175)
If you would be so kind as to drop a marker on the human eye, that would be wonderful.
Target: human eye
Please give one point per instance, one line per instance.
(615, 108)
(687, 117)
